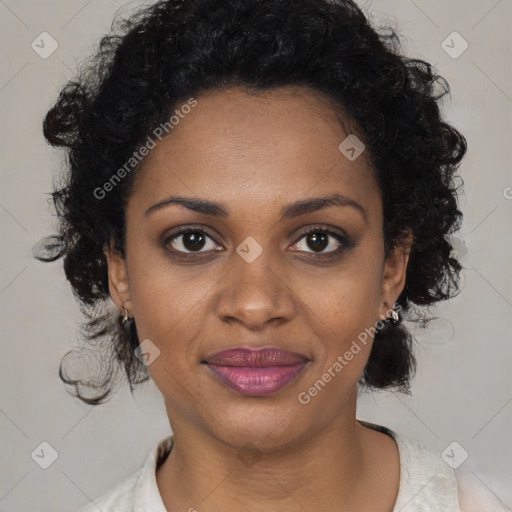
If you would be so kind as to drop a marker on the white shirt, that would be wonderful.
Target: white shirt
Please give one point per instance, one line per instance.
(427, 483)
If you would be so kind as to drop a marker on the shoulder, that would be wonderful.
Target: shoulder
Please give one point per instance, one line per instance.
(474, 495)
(119, 498)
(428, 482)
(139, 491)
(461, 486)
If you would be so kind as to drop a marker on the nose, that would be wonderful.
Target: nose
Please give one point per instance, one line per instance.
(255, 293)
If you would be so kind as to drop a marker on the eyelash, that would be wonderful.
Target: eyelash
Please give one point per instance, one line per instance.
(344, 242)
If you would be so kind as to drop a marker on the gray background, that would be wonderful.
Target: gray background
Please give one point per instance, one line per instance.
(462, 391)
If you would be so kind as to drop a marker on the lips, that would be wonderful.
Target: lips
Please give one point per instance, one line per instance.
(256, 372)
(251, 358)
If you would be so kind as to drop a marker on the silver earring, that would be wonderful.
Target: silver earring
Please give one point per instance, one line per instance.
(127, 325)
(394, 317)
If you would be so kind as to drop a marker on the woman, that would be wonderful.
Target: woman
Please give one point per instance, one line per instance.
(265, 189)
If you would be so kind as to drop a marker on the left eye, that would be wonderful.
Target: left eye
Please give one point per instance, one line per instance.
(318, 240)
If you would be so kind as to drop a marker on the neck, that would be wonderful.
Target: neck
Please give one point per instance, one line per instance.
(335, 469)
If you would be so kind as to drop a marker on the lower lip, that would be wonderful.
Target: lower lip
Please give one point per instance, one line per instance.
(256, 381)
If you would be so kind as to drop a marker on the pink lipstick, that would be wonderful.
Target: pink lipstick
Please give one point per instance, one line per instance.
(256, 372)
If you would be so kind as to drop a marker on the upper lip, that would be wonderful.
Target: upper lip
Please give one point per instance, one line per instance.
(256, 358)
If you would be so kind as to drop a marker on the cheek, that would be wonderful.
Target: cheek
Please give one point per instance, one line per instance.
(349, 297)
(344, 312)
(344, 324)
(163, 294)
(169, 308)
(170, 312)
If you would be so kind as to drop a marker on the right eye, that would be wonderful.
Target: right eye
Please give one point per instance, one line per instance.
(190, 240)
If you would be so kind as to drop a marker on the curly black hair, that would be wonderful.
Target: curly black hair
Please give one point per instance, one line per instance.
(152, 61)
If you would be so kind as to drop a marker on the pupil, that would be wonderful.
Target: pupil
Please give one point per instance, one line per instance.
(190, 240)
(319, 241)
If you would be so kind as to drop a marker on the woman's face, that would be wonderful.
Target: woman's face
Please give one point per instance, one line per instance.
(251, 277)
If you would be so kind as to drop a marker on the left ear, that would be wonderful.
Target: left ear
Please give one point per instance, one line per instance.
(394, 273)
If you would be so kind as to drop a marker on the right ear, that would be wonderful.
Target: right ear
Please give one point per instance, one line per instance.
(117, 278)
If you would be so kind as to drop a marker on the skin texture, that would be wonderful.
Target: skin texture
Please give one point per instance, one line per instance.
(255, 154)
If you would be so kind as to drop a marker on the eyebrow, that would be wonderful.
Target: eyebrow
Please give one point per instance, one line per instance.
(289, 211)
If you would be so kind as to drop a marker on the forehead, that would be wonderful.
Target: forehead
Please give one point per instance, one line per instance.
(248, 149)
